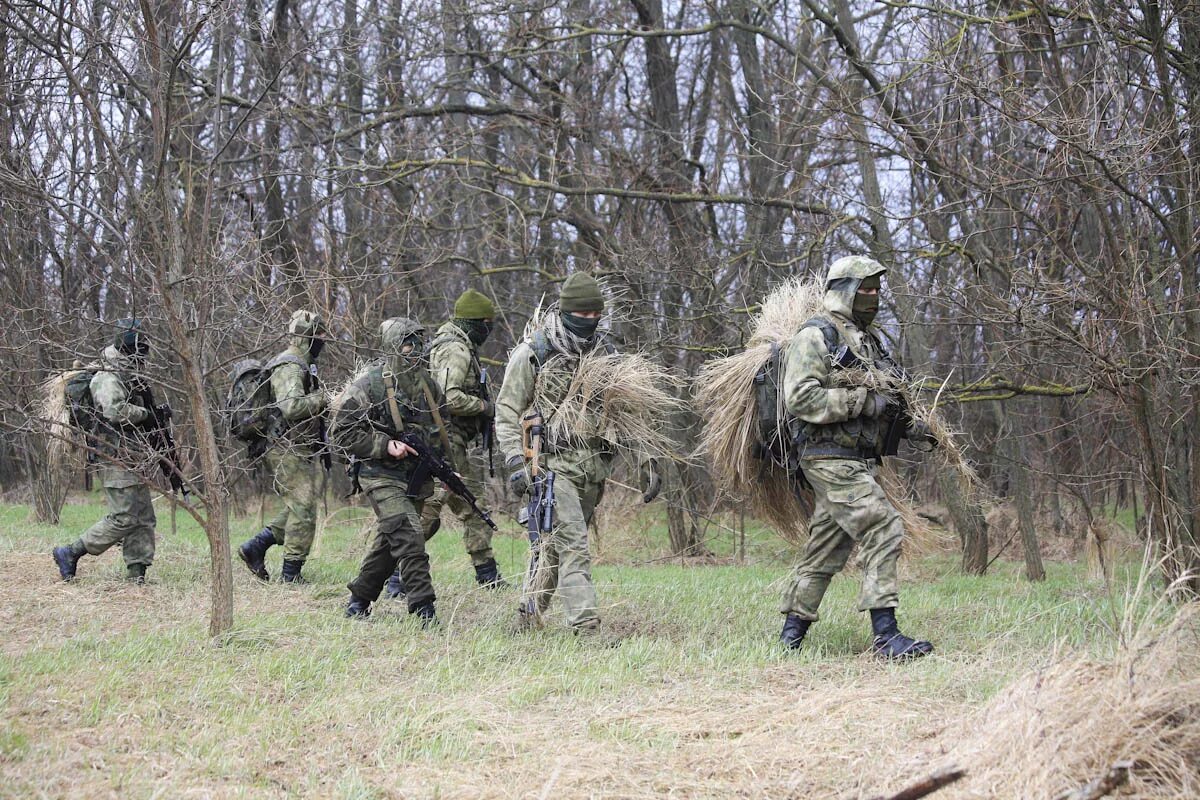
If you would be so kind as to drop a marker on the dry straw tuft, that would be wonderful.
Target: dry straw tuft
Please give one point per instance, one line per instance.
(623, 398)
(66, 451)
(726, 398)
(1060, 727)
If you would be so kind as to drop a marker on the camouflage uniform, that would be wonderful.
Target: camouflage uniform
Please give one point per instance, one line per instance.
(292, 457)
(362, 427)
(130, 520)
(543, 367)
(454, 364)
(842, 433)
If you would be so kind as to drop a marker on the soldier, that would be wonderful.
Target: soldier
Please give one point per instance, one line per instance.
(124, 407)
(842, 435)
(296, 443)
(542, 367)
(454, 364)
(385, 400)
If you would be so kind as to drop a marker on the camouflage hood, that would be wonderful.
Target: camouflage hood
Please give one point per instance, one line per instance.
(114, 360)
(392, 333)
(846, 275)
(303, 326)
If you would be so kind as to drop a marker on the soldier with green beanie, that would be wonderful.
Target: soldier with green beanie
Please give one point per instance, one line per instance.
(539, 372)
(124, 408)
(294, 450)
(384, 400)
(841, 438)
(454, 364)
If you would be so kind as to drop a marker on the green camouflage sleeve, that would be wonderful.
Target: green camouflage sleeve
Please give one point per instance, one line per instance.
(806, 378)
(111, 397)
(451, 364)
(516, 395)
(351, 430)
(287, 383)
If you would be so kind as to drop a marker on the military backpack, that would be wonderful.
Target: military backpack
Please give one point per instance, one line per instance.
(77, 386)
(250, 407)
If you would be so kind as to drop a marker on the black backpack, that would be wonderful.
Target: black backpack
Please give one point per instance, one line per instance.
(776, 429)
(77, 386)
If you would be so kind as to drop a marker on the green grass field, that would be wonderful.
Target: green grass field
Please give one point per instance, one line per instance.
(110, 690)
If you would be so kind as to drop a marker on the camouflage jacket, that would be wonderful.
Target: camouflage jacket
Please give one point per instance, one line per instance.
(828, 426)
(537, 370)
(298, 396)
(121, 435)
(362, 423)
(454, 363)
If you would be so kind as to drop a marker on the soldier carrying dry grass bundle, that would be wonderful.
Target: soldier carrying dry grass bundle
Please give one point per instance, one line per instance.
(840, 408)
(586, 402)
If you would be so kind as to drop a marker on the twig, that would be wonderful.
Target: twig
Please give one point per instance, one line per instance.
(938, 780)
(1118, 776)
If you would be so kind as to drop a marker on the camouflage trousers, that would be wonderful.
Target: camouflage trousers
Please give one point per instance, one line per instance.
(399, 540)
(130, 520)
(562, 561)
(297, 481)
(851, 508)
(477, 536)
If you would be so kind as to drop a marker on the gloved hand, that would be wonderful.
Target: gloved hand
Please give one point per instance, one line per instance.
(875, 405)
(489, 410)
(518, 479)
(651, 482)
(163, 411)
(919, 432)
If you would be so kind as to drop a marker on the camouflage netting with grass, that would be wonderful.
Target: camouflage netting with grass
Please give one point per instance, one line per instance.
(725, 396)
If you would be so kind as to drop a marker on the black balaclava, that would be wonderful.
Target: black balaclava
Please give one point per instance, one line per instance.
(581, 327)
(315, 347)
(866, 306)
(477, 330)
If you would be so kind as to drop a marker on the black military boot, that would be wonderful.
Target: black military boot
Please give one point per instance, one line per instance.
(488, 575)
(890, 644)
(290, 572)
(395, 586)
(67, 558)
(254, 552)
(425, 613)
(135, 573)
(794, 631)
(357, 608)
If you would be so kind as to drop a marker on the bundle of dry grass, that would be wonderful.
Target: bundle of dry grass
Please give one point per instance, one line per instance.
(1058, 728)
(66, 451)
(725, 397)
(623, 398)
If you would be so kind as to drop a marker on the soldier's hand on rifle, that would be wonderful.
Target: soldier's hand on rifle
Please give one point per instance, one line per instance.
(397, 449)
(163, 411)
(489, 410)
(919, 432)
(875, 404)
(518, 481)
(651, 482)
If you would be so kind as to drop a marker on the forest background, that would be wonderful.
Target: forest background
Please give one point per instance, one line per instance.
(1028, 172)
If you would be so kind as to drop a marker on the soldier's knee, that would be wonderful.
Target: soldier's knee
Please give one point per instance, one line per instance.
(123, 520)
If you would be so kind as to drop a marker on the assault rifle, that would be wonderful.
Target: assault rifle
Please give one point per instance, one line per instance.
(158, 434)
(430, 464)
(538, 516)
(896, 414)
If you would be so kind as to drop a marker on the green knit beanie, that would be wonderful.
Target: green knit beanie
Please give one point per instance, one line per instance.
(581, 292)
(474, 305)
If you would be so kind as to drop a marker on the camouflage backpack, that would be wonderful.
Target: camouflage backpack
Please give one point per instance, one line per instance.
(776, 429)
(252, 414)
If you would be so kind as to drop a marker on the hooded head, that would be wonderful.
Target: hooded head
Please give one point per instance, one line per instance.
(306, 330)
(852, 288)
(474, 312)
(581, 304)
(130, 345)
(403, 343)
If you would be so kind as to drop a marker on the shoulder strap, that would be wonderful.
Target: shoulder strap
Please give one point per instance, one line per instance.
(828, 330)
(389, 387)
(437, 415)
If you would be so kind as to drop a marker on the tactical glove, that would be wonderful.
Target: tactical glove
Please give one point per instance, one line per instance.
(163, 411)
(651, 482)
(518, 481)
(875, 405)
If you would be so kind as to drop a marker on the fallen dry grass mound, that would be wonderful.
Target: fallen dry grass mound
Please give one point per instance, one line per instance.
(1059, 728)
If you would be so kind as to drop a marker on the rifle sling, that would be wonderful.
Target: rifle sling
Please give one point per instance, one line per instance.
(437, 417)
(389, 385)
